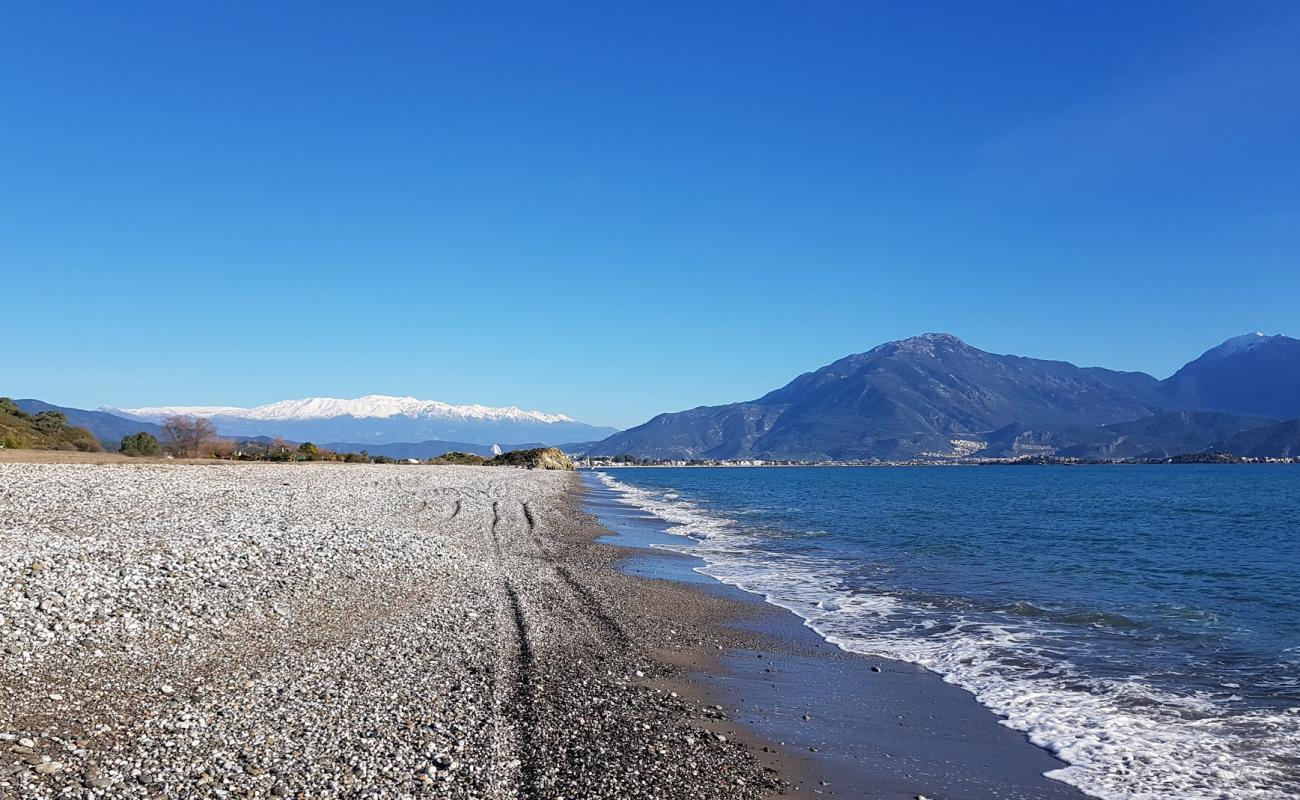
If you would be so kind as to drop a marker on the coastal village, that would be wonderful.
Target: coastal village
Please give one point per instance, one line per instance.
(589, 462)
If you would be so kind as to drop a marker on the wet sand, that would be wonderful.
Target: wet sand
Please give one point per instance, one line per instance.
(874, 728)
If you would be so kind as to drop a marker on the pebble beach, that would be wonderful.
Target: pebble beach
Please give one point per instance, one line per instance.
(324, 630)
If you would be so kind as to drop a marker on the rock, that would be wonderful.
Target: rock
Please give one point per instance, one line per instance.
(537, 458)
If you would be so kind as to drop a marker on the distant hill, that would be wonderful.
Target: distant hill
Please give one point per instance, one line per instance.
(1160, 436)
(43, 430)
(1274, 441)
(1251, 374)
(380, 419)
(107, 428)
(934, 395)
(896, 401)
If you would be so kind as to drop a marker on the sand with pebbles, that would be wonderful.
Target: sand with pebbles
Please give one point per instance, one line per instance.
(335, 631)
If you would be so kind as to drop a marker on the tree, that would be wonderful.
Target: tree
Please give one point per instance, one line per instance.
(309, 449)
(184, 435)
(140, 444)
(279, 450)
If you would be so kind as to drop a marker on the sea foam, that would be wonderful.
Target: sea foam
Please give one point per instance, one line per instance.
(1122, 739)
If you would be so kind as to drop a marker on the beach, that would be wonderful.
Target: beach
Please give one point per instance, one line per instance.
(330, 630)
(341, 631)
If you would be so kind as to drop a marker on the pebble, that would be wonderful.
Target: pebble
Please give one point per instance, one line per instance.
(348, 634)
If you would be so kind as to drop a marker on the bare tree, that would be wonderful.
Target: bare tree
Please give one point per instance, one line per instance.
(185, 436)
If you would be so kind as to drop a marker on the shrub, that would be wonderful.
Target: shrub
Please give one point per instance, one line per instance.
(50, 422)
(458, 457)
(140, 444)
(83, 440)
(217, 448)
(536, 458)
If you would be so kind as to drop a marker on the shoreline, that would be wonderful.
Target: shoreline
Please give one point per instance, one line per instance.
(847, 725)
(341, 630)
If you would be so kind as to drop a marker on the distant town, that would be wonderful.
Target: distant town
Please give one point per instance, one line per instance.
(589, 462)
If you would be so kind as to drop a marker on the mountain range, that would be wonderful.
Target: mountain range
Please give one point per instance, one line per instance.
(380, 419)
(936, 396)
(931, 396)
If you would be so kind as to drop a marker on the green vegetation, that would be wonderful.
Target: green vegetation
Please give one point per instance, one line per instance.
(140, 444)
(48, 430)
(280, 450)
(537, 458)
(457, 457)
(1204, 458)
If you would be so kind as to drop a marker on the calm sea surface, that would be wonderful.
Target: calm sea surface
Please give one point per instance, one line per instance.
(1141, 622)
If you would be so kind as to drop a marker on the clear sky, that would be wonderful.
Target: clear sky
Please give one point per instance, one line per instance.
(615, 209)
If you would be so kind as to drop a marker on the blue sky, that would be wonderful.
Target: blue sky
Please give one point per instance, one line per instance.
(612, 210)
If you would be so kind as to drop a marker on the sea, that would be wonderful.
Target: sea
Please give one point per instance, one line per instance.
(1140, 622)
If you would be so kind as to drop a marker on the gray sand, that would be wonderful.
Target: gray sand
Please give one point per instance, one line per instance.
(336, 631)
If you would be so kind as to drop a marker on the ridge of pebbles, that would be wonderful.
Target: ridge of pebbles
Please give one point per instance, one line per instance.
(357, 631)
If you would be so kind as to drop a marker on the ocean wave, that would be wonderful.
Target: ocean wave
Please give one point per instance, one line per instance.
(1121, 738)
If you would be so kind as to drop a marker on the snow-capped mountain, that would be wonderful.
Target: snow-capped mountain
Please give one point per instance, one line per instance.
(1241, 344)
(1250, 374)
(382, 419)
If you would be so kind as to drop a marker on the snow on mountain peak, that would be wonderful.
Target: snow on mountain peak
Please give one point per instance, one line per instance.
(925, 344)
(1240, 344)
(369, 406)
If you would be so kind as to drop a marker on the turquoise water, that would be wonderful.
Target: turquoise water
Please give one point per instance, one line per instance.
(1141, 622)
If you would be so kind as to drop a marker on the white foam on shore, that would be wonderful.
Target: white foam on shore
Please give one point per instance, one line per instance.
(1123, 739)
